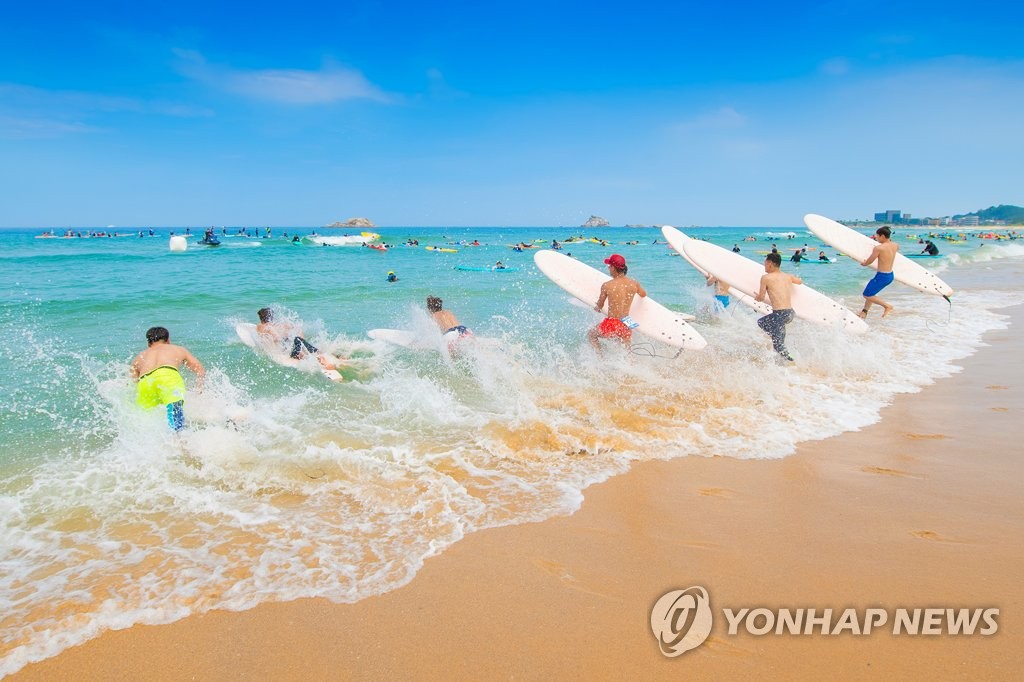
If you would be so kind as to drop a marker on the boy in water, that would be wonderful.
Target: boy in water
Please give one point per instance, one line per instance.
(282, 333)
(159, 381)
(445, 319)
(618, 292)
(778, 285)
(885, 254)
(721, 289)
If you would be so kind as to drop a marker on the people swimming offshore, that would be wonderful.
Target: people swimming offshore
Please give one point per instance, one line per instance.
(392, 277)
(156, 370)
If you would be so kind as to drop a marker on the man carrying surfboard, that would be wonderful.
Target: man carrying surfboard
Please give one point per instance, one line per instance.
(885, 254)
(159, 381)
(778, 285)
(618, 292)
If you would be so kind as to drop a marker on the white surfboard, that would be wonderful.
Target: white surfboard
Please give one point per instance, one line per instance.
(250, 337)
(677, 240)
(745, 275)
(858, 247)
(584, 282)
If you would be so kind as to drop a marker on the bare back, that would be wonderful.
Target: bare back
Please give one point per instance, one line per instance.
(886, 255)
(278, 332)
(163, 354)
(779, 287)
(619, 292)
(445, 320)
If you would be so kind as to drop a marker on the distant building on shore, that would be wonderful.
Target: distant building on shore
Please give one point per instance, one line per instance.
(892, 216)
(995, 216)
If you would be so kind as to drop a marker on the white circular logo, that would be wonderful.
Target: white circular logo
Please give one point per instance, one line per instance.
(681, 620)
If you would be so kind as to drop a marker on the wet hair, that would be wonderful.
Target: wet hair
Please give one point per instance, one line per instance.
(154, 334)
(265, 315)
(774, 258)
(884, 231)
(434, 304)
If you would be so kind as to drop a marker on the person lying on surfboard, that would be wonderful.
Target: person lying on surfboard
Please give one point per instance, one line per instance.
(159, 381)
(618, 292)
(445, 319)
(284, 333)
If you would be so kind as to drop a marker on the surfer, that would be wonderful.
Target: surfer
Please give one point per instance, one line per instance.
(822, 256)
(885, 254)
(721, 289)
(283, 333)
(779, 287)
(445, 319)
(930, 248)
(618, 292)
(159, 381)
(735, 248)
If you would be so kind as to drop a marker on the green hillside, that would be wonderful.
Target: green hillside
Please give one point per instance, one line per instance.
(1011, 214)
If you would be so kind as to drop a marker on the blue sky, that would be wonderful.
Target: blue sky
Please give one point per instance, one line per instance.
(524, 113)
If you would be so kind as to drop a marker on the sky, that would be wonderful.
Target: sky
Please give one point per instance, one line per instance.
(506, 113)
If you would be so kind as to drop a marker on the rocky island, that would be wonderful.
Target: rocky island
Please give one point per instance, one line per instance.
(354, 222)
(595, 221)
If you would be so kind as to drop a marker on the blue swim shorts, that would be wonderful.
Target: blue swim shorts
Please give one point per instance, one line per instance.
(877, 283)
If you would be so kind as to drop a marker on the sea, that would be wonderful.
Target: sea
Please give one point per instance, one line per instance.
(286, 485)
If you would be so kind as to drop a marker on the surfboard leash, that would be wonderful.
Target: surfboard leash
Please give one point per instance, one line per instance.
(647, 350)
(949, 315)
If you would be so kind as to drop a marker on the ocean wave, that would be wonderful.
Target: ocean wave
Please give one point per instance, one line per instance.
(287, 486)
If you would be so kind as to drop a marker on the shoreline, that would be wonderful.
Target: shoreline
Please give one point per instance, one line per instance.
(921, 509)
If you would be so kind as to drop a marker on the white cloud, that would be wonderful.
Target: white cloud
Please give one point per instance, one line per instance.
(837, 66)
(724, 118)
(24, 101)
(439, 87)
(17, 128)
(331, 83)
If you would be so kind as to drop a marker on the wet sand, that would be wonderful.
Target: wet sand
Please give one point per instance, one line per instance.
(924, 509)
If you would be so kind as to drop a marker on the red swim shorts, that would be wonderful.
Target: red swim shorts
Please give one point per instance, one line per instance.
(613, 327)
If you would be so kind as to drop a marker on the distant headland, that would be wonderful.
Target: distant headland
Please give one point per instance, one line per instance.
(598, 221)
(353, 222)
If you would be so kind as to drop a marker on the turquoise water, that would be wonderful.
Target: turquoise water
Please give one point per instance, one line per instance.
(286, 485)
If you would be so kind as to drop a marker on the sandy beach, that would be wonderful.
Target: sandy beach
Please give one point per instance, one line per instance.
(923, 509)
